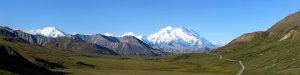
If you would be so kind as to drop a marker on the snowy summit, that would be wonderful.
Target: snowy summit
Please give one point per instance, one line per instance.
(132, 34)
(107, 34)
(169, 34)
(179, 40)
(48, 32)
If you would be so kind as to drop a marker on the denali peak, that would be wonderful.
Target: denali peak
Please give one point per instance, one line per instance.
(179, 40)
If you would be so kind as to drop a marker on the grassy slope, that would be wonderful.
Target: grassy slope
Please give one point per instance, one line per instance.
(189, 64)
(114, 65)
(4, 72)
(266, 54)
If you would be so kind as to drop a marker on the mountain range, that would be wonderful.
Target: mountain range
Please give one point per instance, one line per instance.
(169, 39)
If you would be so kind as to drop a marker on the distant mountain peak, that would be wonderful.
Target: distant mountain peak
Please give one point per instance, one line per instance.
(74, 33)
(132, 34)
(179, 40)
(167, 28)
(128, 34)
(108, 34)
(169, 34)
(48, 32)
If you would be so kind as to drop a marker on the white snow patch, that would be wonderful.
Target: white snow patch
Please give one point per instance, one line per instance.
(107, 34)
(48, 32)
(132, 34)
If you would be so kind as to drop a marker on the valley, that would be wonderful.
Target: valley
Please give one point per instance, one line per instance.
(114, 65)
(72, 58)
(160, 49)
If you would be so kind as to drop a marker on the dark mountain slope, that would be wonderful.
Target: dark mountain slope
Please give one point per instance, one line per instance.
(35, 39)
(126, 46)
(73, 45)
(135, 41)
(12, 61)
(79, 47)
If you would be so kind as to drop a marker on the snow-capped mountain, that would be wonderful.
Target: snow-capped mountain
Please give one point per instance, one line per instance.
(48, 32)
(169, 39)
(74, 33)
(179, 40)
(140, 37)
(107, 34)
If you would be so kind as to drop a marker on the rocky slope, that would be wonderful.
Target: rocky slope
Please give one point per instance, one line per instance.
(73, 45)
(90, 44)
(127, 45)
(14, 62)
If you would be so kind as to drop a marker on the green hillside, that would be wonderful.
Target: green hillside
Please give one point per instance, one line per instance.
(56, 60)
(275, 51)
(116, 65)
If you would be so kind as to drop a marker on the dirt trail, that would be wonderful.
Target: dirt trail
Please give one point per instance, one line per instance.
(240, 62)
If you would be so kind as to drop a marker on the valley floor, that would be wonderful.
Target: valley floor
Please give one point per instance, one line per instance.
(74, 64)
(170, 65)
(61, 60)
(133, 72)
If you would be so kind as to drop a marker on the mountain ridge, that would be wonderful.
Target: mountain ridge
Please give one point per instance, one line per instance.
(169, 39)
(126, 45)
(74, 45)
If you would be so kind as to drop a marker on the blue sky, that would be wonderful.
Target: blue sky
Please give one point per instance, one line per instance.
(217, 20)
